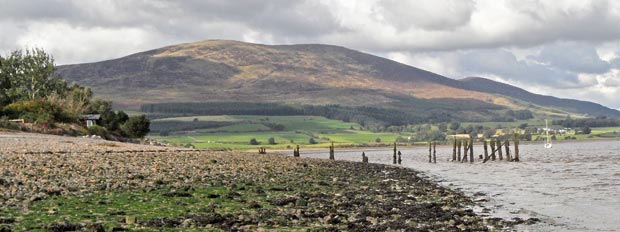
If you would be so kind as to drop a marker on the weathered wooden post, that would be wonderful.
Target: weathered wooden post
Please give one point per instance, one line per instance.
(458, 150)
(454, 150)
(296, 152)
(492, 143)
(471, 150)
(331, 152)
(399, 159)
(486, 151)
(394, 160)
(516, 159)
(499, 149)
(465, 150)
(429, 152)
(434, 152)
(364, 158)
(507, 146)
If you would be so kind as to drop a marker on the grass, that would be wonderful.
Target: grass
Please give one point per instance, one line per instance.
(297, 130)
(597, 132)
(223, 191)
(113, 207)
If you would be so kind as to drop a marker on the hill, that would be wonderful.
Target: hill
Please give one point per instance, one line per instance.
(576, 106)
(311, 74)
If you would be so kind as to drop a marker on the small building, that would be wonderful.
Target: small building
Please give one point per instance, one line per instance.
(90, 119)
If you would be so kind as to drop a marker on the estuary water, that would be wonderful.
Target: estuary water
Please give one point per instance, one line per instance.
(574, 186)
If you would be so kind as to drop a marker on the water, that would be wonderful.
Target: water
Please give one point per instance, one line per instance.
(570, 187)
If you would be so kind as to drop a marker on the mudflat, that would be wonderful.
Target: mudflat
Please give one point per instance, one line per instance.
(62, 184)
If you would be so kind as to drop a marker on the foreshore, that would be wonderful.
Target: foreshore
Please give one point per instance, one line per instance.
(101, 190)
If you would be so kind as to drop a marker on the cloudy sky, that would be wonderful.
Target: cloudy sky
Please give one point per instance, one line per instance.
(565, 48)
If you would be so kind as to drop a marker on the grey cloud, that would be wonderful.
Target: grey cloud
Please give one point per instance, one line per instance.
(504, 64)
(427, 15)
(612, 82)
(36, 10)
(282, 17)
(576, 57)
(466, 35)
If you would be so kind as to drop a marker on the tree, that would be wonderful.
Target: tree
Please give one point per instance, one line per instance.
(28, 75)
(443, 127)
(377, 140)
(455, 126)
(136, 126)
(488, 133)
(523, 114)
(272, 141)
(586, 130)
(74, 99)
(100, 107)
(312, 141)
(110, 119)
(4, 85)
(254, 142)
(523, 126)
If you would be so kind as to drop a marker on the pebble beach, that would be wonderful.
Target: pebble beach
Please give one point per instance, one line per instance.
(58, 183)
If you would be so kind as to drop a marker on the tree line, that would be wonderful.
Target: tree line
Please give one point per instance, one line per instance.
(363, 115)
(587, 122)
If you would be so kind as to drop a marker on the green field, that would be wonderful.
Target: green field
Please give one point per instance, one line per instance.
(598, 132)
(295, 130)
(235, 132)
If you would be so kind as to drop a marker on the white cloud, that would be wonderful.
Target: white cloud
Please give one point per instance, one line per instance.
(567, 48)
(76, 44)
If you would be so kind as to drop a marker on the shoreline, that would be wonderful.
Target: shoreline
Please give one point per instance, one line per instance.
(381, 148)
(235, 187)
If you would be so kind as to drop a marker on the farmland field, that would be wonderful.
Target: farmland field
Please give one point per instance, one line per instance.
(235, 132)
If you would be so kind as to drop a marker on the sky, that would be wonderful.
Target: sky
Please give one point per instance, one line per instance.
(564, 48)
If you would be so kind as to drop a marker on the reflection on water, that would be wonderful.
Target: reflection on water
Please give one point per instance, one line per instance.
(571, 187)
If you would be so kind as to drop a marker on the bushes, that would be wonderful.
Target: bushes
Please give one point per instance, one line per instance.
(253, 141)
(97, 130)
(136, 126)
(39, 111)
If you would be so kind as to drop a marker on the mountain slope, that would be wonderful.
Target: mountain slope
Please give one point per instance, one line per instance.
(582, 107)
(231, 71)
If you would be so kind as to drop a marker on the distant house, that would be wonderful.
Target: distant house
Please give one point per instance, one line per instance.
(90, 119)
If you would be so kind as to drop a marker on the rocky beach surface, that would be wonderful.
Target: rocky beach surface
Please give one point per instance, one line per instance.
(57, 183)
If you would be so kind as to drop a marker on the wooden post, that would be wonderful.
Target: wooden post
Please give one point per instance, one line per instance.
(296, 152)
(507, 146)
(364, 158)
(331, 152)
(429, 152)
(471, 150)
(465, 149)
(399, 159)
(394, 160)
(516, 142)
(458, 145)
(499, 149)
(486, 151)
(434, 152)
(492, 150)
(454, 150)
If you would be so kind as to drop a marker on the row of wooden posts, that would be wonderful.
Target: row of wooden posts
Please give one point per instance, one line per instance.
(460, 151)
(496, 146)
